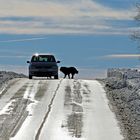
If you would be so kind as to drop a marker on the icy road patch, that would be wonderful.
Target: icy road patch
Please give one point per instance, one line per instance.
(80, 111)
(62, 110)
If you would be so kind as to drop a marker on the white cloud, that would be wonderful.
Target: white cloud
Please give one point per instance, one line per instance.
(122, 56)
(62, 28)
(50, 8)
(11, 56)
(59, 17)
(22, 40)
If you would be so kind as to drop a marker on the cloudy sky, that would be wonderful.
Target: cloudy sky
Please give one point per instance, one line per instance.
(92, 35)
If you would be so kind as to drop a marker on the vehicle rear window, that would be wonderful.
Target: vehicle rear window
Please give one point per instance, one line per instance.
(43, 58)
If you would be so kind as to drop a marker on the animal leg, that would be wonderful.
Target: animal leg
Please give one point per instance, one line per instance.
(69, 76)
(72, 76)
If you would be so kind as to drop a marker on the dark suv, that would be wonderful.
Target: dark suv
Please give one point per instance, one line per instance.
(42, 65)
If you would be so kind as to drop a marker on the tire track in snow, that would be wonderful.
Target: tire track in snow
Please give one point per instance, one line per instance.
(73, 107)
(47, 114)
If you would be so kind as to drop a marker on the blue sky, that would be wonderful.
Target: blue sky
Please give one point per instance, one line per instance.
(92, 35)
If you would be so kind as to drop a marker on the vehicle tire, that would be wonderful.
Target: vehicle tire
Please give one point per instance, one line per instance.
(30, 76)
(56, 77)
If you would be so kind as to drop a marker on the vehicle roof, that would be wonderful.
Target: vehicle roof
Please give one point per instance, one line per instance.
(42, 54)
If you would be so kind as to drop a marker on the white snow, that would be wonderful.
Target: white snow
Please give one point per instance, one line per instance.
(10, 93)
(99, 122)
(52, 129)
(7, 108)
(31, 90)
(3, 88)
(30, 94)
(32, 123)
(123, 73)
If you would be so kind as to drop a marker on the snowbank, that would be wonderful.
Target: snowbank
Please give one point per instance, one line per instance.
(6, 76)
(124, 96)
(123, 73)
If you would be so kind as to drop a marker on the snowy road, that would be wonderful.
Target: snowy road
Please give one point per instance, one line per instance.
(56, 110)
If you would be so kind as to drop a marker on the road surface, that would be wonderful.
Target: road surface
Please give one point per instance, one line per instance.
(44, 109)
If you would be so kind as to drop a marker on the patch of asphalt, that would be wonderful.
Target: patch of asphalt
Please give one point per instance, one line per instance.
(7, 86)
(41, 90)
(74, 109)
(20, 92)
(47, 113)
(68, 96)
(75, 124)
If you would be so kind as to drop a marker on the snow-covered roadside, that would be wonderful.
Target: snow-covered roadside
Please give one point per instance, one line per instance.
(7, 78)
(124, 96)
